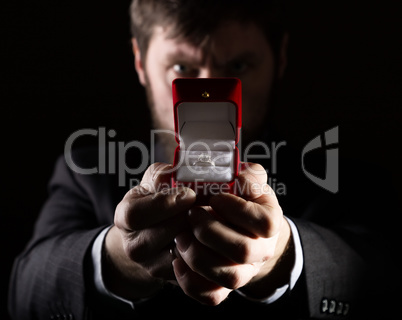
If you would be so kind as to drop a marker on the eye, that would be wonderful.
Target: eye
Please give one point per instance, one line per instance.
(183, 70)
(179, 68)
(238, 67)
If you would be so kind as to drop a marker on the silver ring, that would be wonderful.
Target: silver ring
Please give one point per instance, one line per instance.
(204, 160)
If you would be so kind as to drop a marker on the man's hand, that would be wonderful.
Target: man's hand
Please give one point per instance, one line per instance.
(234, 243)
(147, 220)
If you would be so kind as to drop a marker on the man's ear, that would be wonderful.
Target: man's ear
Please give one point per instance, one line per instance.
(138, 62)
(283, 56)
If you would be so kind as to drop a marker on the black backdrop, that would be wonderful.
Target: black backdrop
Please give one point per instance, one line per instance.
(67, 65)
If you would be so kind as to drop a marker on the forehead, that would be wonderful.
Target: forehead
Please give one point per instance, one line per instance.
(229, 40)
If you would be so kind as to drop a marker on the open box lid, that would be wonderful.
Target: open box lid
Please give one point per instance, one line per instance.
(207, 108)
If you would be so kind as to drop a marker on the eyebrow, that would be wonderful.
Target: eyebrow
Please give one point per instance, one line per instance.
(179, 56)
(244, 56)
(175, 58)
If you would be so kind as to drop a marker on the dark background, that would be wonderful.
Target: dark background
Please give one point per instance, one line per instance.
(67, 65)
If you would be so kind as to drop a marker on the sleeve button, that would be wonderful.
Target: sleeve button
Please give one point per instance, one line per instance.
(332, 306)
(324, 305)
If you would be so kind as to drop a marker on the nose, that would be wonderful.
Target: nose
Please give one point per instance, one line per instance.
(210, 72)
(209, 68)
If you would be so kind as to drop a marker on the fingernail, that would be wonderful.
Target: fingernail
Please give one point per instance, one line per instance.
(183, 242)
(195, 212)
(174, 252)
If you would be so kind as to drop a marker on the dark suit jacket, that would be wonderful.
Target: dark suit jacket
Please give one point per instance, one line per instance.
(345, 238)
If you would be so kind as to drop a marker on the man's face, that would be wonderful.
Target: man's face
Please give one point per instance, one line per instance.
(234, 50)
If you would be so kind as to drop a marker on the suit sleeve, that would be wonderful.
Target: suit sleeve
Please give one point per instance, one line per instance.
(350, 266)
(48, 278)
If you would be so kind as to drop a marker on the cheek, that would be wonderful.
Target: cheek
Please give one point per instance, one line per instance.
(161, 92)
(258, 83)
(163, 107)
(256, 93)
(256, 98)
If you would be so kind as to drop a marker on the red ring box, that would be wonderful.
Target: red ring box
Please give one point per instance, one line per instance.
(207, 120)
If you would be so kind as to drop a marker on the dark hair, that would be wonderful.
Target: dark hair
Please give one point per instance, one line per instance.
(194, 20)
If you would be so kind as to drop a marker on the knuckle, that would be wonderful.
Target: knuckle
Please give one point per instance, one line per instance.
(265, 226)
(203, 233)
(136, 249)
(269, 224)
(276, 221)
(212, 298)
(231, 279)
(244, 251)
(248, 206)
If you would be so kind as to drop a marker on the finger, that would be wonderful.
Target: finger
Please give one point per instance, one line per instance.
(140, 212)
(160, 266)
(228, 242)
(212, 266)
(197, 287)
(143, 245)
(260, 219)
(252, 184)
(157, 177)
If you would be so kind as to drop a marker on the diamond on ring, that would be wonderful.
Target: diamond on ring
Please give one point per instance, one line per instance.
(204, 160)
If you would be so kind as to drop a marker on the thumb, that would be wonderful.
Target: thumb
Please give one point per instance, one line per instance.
(157, 177)
(252, 181)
